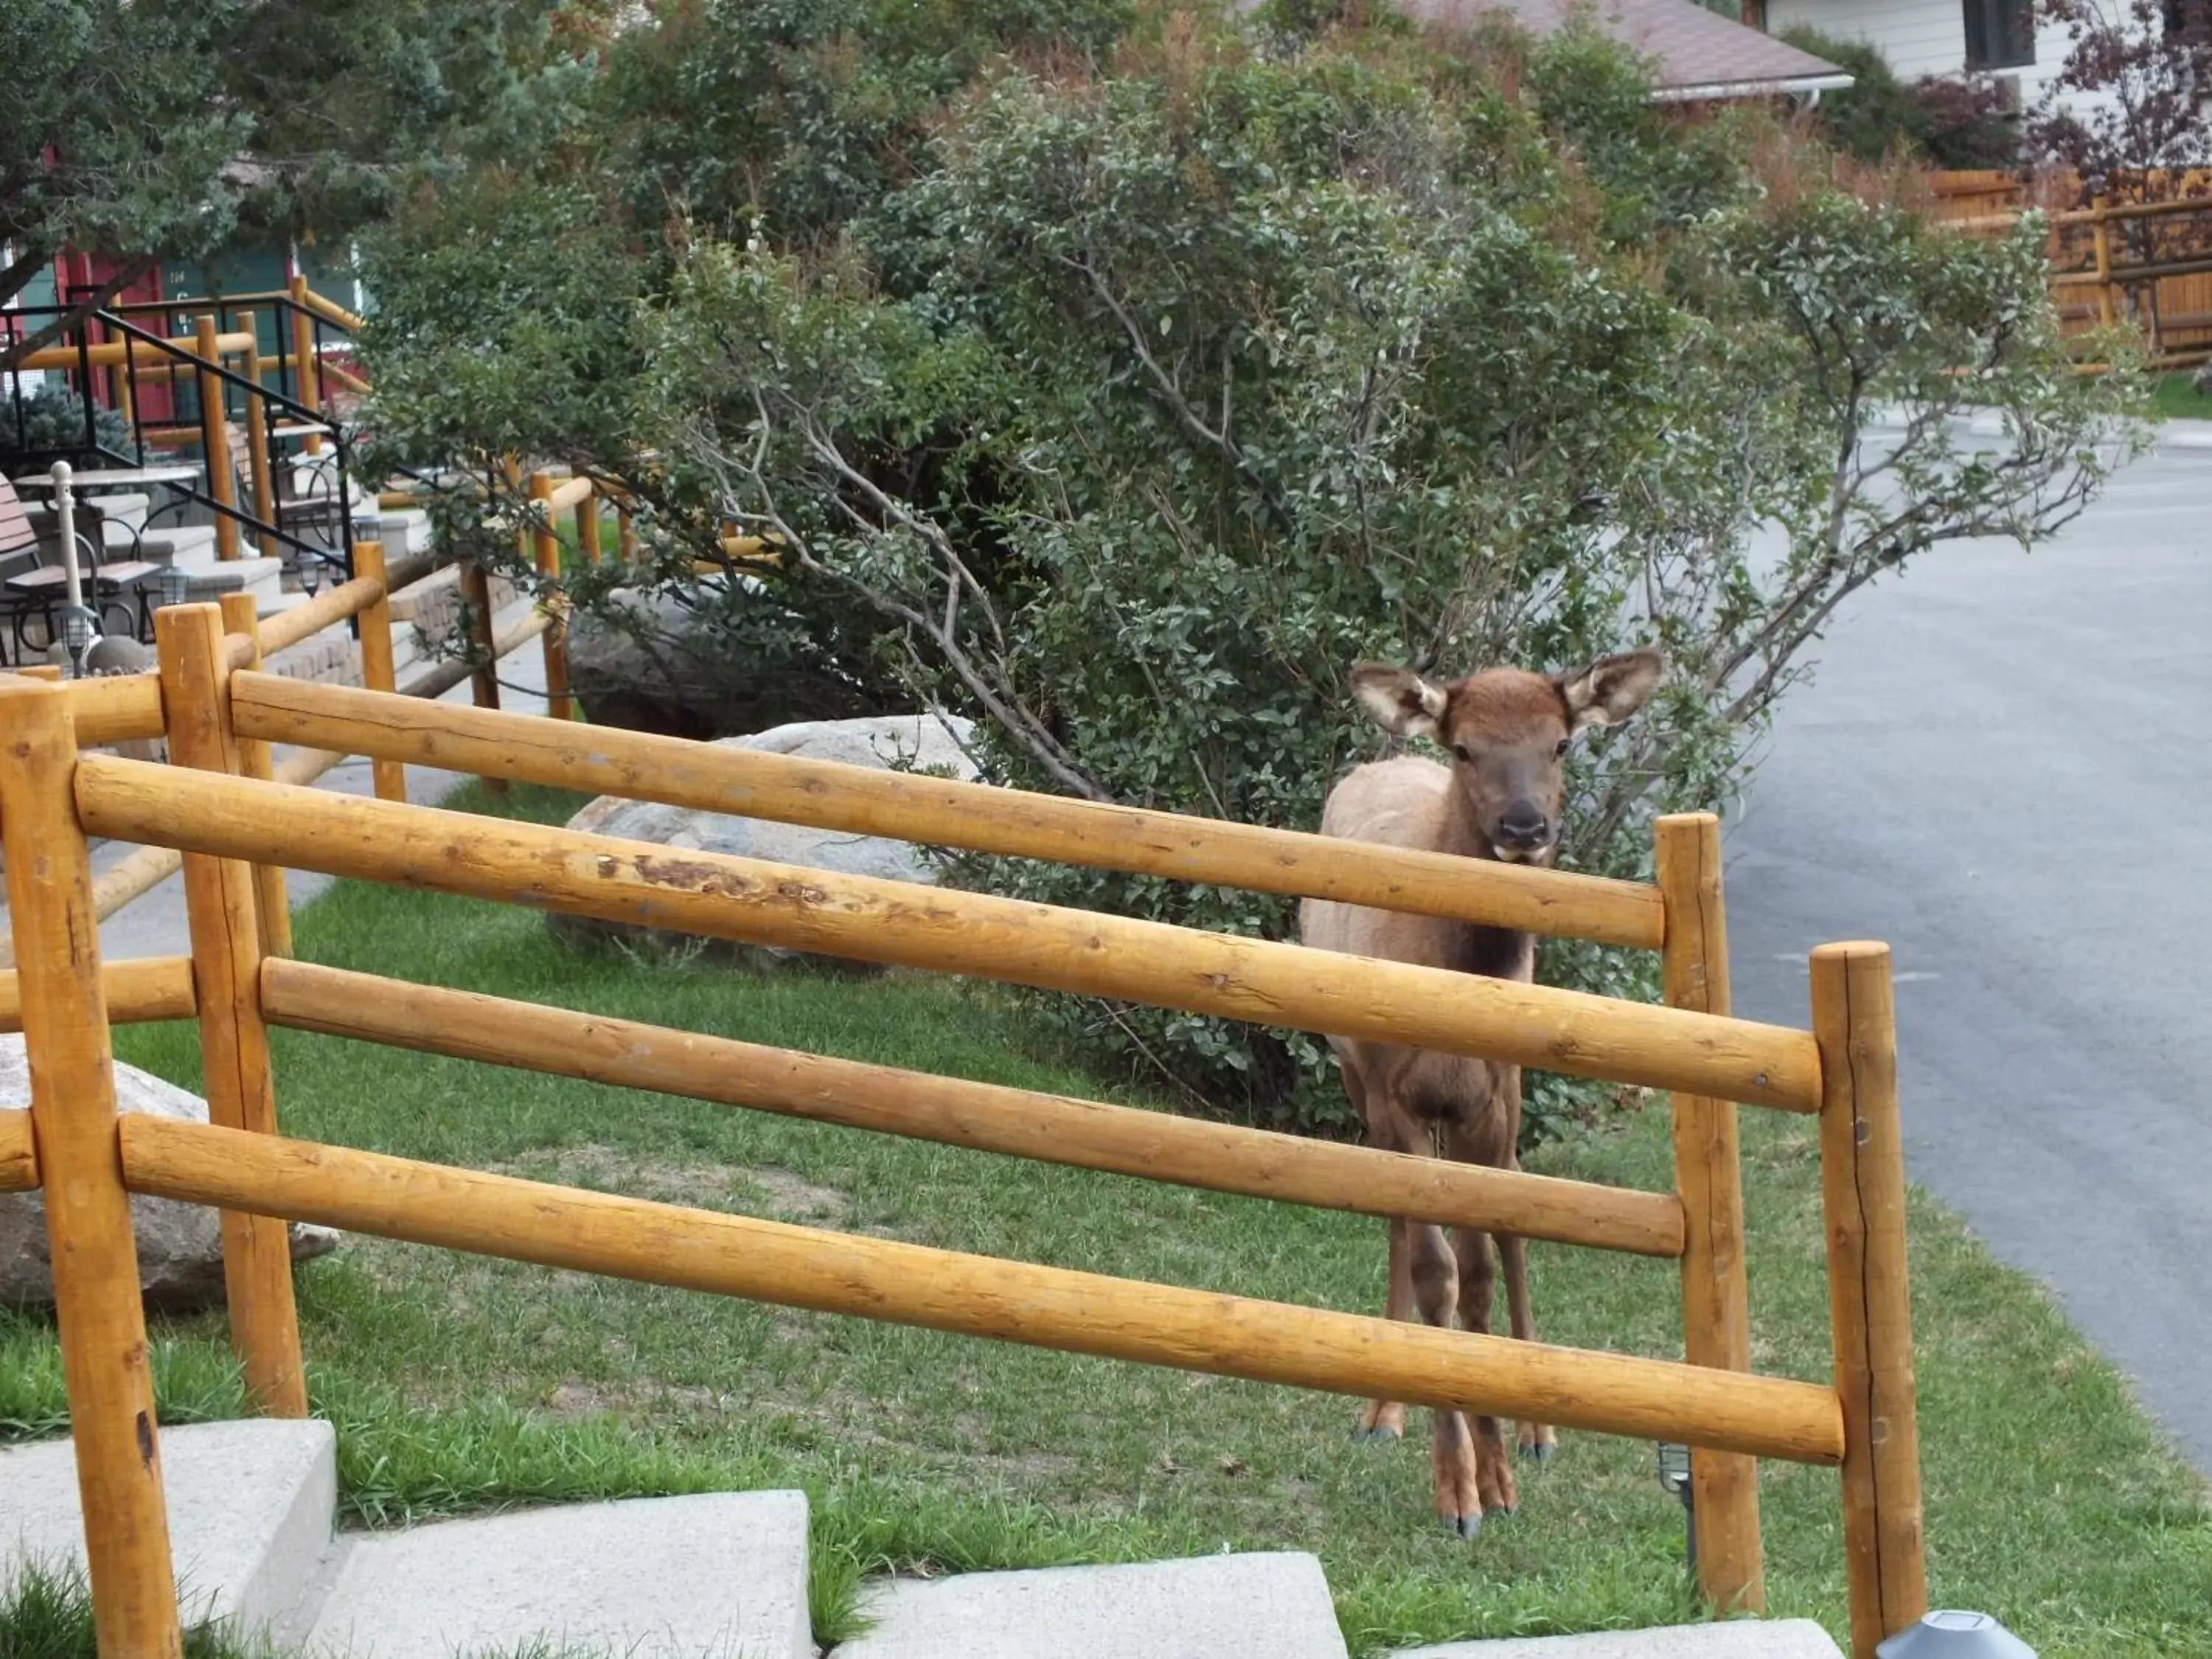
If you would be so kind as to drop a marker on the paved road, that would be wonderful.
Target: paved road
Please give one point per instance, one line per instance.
(2003, 769)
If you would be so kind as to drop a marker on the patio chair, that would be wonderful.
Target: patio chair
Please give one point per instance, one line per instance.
(121, 588)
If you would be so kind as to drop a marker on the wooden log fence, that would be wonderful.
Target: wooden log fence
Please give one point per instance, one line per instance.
(718, 895)
(978, 1295)
(988, 1117)
(211, 809)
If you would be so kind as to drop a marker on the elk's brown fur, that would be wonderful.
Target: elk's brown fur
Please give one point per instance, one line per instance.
(1508, 731)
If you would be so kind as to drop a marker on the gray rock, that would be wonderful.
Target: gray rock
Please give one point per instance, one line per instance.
(913, 742)
(661, 667)
(2202, 380)
(179, 1245)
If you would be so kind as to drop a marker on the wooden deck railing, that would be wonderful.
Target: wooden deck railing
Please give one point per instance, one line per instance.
(224, 823)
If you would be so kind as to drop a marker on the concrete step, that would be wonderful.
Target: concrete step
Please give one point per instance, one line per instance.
(402, 530)
(1212, 1606)
(720, 1574)
(250, 1506)
(1743, 1638)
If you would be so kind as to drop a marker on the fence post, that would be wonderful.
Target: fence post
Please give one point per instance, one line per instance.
(215, 439)
(1708, 1176)
(272, 906)
(304, 361)
(73, 1115)
(257, 1255)
(556, 637)
(257, 438)
(1869, 1302)
(2101, 232)
(587, 526)
(377, 672)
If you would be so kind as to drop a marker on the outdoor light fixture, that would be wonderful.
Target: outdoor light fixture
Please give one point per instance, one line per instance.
(80, 628)
(1954, 1635)
(175, 586)
(1674, 1478)
(310, 569)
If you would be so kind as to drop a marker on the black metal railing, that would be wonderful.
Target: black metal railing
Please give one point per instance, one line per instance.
(310, 559)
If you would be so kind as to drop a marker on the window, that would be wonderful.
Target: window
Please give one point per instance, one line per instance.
(2000, 34)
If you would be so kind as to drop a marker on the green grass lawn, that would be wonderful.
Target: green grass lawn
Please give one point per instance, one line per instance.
(459, 1383)
(2174, 396)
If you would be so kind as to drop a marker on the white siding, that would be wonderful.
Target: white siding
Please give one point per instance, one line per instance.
(1918, 37)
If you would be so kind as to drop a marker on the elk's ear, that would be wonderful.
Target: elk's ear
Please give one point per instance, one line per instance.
(1398, 700)
(1612, 689)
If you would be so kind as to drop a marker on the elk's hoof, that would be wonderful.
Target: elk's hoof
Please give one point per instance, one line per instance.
(1467, 1526)
(1541, 1451)
(1378, 1436)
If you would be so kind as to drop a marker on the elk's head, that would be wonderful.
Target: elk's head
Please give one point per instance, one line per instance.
(1508, 731)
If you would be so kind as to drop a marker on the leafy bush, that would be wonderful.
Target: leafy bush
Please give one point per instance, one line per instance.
(1154, 397)
(49, 426)
(1960, 121)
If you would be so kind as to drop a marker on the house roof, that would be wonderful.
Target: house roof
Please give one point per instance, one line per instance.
(1695, 53)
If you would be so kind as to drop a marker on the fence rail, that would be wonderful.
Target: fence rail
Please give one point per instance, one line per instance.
(2100, 278)
(220, 714)
(988, 1117)
(720, 896)
(978, 817)
(977, 1295)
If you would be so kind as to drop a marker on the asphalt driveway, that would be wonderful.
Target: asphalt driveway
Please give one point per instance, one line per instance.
(2003, 769)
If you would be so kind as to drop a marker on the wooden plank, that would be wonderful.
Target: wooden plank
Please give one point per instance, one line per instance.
(1051, 1128)
(378, 672)
(151, 358)
(19, 1156)
(327, 609)
(1708, 1177)
(722, 897)
(272, 905)
(257, 446)
(215, 443)
(116, 707)
(74, 1117)
(569, 492)
(974, 1295)
(912, 806)
(1869, 1302)
(138, 989)
(219, 902)
(545, 501)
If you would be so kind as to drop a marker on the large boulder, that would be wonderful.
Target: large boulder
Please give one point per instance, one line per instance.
(179, 1245)
(921, 743)
(649, 663)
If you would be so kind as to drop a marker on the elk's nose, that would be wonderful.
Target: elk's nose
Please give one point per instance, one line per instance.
(1523, 826)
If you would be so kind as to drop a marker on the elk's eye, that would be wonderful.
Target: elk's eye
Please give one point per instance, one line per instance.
(1560, 753)
(1463, 752)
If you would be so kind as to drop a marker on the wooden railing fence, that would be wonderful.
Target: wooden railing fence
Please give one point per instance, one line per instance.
(2146, 261)
(226, 822)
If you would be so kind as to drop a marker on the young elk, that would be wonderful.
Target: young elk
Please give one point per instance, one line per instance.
(1508, 731)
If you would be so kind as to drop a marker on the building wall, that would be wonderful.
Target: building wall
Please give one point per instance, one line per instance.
(1918, 37)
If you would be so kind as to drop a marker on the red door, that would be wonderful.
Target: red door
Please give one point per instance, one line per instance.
(78, 274)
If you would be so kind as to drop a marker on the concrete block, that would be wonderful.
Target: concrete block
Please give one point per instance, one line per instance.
(1741, 1638)
(250, 1506)
(721, 1576)
(1213, 1606)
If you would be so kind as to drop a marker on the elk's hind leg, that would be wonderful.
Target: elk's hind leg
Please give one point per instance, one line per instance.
(1455, 1457)
(1537, 1440)
(1477, 1278)
(1385, 1419)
